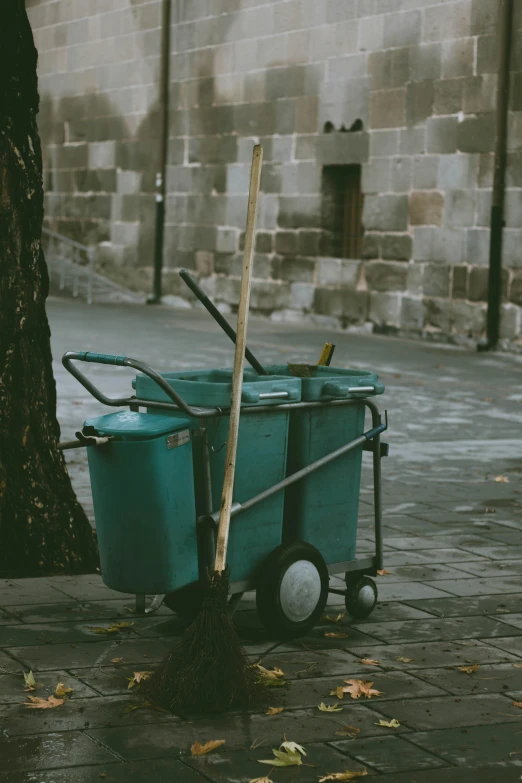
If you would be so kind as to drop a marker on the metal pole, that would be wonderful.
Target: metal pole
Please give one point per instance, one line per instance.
(163, 150)
(499, 180)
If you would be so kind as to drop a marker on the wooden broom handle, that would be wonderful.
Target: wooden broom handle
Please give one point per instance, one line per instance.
(239, 357)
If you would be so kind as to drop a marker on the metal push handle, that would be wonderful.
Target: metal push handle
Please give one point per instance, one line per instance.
(219, 318)
(123, 361)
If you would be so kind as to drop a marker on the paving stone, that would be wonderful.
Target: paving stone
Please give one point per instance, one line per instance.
(317, 640)
(492, 567)
(441, 629)
(56, 633)
(56, 749)
(424, 542)
(475, 586)
(412, 556)
(489, 678)
(156, 770)
(500, 552)
(311, 663)
(12, 686)
(85, 588)
(389, 754)
(29, 591)
(448, 711)
(458, 607)
(242, 767)
(74, 611)
(8, 618)
(417, 573)
(477, 745)
(405, 591)
(392, 611)
(428, 655)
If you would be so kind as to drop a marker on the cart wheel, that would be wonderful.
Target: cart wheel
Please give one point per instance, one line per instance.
(292, 589)
(186, 601)
(361, 596)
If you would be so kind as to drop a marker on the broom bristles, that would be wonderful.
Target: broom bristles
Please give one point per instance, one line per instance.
(208, 670)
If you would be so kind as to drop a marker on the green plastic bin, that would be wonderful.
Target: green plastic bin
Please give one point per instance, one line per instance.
(260, 461)
(144, 506)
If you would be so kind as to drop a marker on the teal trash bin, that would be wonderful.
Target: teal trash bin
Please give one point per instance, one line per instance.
(260, 460)
(322, 509)
(144, 506)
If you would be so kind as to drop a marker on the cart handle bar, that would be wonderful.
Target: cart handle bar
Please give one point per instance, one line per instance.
(124, 361)
(238, 508)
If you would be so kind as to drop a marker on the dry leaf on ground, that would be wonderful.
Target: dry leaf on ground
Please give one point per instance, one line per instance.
(328, 618)
(516, 704)
(335, 635)
(271, 678)
(329, 707)
(348, 731)
(369, 662)
(402, 659)
(198, 749)
(502, 479)
(358, 688)
(390, 724)
(383, 572)
(61, 690)
(517, 665)
(112, 628)
(338, 692)
(138, 677)
(116, 660)
(261, 780)
(30, 682)
(274, 710)
(469, 669)
(346, 775)
(44, 704)
(288, 755)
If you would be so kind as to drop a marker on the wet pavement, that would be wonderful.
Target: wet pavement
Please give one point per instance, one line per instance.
(453, 597)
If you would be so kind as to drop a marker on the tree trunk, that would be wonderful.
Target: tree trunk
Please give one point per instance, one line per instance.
(43, 528)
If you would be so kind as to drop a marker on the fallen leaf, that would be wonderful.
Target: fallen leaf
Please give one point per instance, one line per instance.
(489, 510)
(30, 682)
(346, 775)
(390, 724)
(288, 755)
(401, 659)
(502, 479)
(112, 628)
(261, 780)
(383, 572)
(197, 749)
(274, 710)
(348, 731)
(116, 660)
(369, 662)
(516, 704)
(271, 674)
(44, 704)
(62, 691)
(335, 635)
(469, 669)
(138, 677)
(327, 618)
(358, 688)
(338, 692)
(517, 665)
(329, 707)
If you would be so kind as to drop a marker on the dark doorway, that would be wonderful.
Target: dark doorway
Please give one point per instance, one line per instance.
(342, 205)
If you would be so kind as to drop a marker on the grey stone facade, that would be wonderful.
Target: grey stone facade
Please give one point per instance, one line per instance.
(419, 75)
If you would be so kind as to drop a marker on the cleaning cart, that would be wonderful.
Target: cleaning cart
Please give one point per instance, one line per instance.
(156, 470)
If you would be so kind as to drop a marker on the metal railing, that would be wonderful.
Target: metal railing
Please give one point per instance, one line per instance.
(72, 261)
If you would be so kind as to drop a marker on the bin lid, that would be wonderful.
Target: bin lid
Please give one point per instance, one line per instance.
(130, 423)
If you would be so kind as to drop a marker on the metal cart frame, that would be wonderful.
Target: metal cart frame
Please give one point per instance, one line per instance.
(369, 440)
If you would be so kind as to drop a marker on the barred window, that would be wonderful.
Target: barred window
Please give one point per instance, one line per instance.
(342, 205)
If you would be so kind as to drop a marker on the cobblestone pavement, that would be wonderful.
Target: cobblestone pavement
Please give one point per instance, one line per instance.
(453, 597)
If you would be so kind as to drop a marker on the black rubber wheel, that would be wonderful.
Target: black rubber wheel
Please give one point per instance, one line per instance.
(361, 596)
(292, 589)
(186, 601)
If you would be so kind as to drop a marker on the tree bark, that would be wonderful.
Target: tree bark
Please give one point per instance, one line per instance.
(43, 528)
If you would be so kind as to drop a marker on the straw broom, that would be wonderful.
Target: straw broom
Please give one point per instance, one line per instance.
(208, 670)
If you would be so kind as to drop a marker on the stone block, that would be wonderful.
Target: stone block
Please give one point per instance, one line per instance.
(264, 242)
(386, 275)
(487, 54)
(308, 242)
(436, 280)
(271, 178)
(384, 142)
(337, 271)
(438, 244)
(415, 275)
(512, 248)
(426, 62)
(396, 247)
(204, 263)
(419, 102)
(376, 176)
(469, 319)
(445, 21)
(412, 313)
(515, 130)
(476, 133)
(286, 242)
(342, 148)
(389, 69)
(228, 289)
(226, 239)
(371, 33)
(402, 29)
(457, 57)
(515, 289)
(128, 181)
(515, 92)
(514, 170)
(484, 17)
(386, 213)
(294, 269)
(425, 172)
(438, 314)
(238, 178)
(305, 148)
(510, 321)
(385, 309)
(387, 108)
(458, 172)
(426, 207)
(459, 288)
(447, 97)
(306, 114)
(480, 94)
(442, 134)
(478, 240)
(269, 295)
(351, 66)
(478, 284)
(371, 245)
(412, 141)
(459, 209)
(483, 211)
(301, 296)
(341, 303)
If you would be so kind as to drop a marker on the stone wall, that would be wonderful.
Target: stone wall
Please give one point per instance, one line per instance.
(415, 79)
